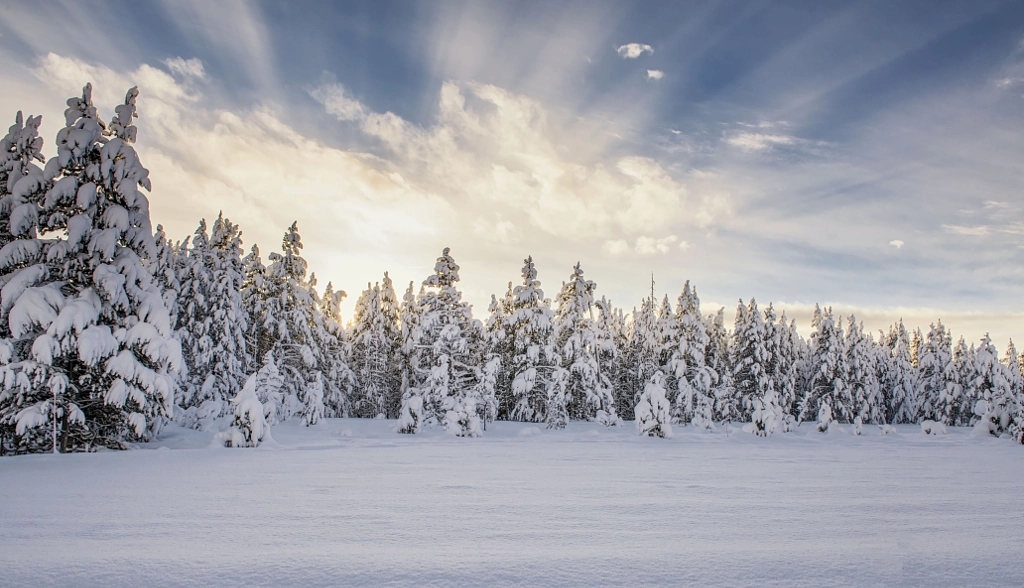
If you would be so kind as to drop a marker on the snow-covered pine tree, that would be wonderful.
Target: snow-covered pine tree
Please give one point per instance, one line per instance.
(997, 405)
(587, 391)
(90, 359)
(786, 344)
(164, 266)
(934, 355)
(334, 351)
(499, 350)
(293, 323)
(254, 300)
(212, 323)
(829, 396)
(373, 350)
(608, 343)
(20, 149)
(535, 365)
(904, 384)
(726, 406)
(751, 358)
(653, 410)
(948, 407)
(862, 375)
(249, 427)
(695, 380)
(409, 324)
(447, 359)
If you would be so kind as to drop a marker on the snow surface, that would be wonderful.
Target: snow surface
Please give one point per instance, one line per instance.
(349, 502)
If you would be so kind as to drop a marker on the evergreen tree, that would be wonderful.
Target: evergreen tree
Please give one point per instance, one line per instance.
(587, 392)
(997, 403)
(934, 356)
(254, 303)
(374, 346)
(694, 379)
(829, 395)
(609, 342)
(653, 409)
(499, 349)
(751, 359)
(862, 376)
(535, 364)
(956, 373)
(726, 407)
(447, 384)
(249, 427)
(90, 359)
(293, 328)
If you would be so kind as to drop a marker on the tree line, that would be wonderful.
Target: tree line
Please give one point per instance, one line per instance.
(110, 330)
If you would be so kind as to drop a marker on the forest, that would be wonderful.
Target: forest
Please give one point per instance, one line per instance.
(111, 330)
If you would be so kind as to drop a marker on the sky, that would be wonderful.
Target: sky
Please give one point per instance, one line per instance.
(862, 155)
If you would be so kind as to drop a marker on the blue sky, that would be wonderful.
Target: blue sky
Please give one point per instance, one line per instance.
(864, 155)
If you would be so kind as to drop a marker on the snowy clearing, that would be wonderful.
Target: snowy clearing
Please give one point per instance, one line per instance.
(349, 502)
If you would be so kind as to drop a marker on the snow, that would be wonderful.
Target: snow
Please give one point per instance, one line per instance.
(350, 502)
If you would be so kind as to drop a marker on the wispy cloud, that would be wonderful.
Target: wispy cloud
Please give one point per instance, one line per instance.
(897, 243)
(634, 50)
(186, 67)
(758, 141)
(655, 74)
(962, 230)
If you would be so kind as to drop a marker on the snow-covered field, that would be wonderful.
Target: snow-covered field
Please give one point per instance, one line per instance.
(349, 502)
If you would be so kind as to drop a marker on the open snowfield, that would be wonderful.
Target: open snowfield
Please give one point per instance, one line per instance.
(351, 503)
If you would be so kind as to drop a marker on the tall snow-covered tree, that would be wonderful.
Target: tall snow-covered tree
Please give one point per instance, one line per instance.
(905, 397)
(536, 366)
(212, 323)
(499, 349)
(447, 384)
(717, 359)
(254, 303)
(997, 404)
(694, 378)
(862, 375)
(828, 396)
(934, 356)
(750, 357)
(89, 359)
(588, 393)
(292, 327)
(375, 342)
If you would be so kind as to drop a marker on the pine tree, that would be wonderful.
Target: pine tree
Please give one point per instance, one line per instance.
(906, 395)
(653, 409)
(997, 402)
(829, 395)
(862, 376)
(726, 407)
(254, 301)
(448, 385)
(587, 392)
(20, 149)
(949, 408)
(249, 427)
(71, 379)
(499, 350)
(934, 356)
(751, 358)
(374, 346)
(535, 364)
(294, 328)
(695, 380)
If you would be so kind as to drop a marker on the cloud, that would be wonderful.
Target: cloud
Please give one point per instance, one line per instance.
(634, 50)
(961, 230)
(492, 148)
(758, 141)
(616, 247)
(336, 101)
(651, 245)
(186, 67)
(655, 74)
(896, 243)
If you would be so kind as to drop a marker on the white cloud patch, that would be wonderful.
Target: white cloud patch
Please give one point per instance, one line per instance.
(616, 247)
(898, 244)
(758, 141)
(634, 50)
(962, 230)
(186, 68)
(336, 101)
(655, 74)
(652, 246)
